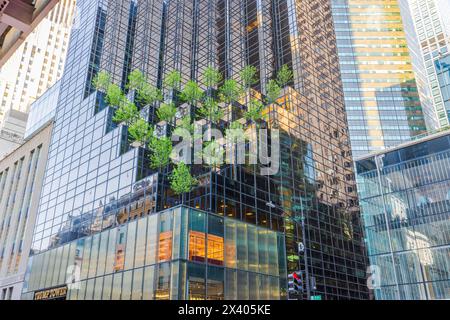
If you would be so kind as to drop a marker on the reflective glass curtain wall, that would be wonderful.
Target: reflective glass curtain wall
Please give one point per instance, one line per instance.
(405, 202)
(96, 181)
(443, 75)
(381, 97)
(180, 253)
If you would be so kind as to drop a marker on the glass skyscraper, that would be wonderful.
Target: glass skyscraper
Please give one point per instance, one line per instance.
(429, 21)
(110, 227)
(405, 204)
(381, 98)
(442, 66)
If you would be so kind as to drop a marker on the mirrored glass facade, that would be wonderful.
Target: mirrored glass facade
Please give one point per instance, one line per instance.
(429, 20)
(42, 111)
(381, 96)
(98, 185)
(180, 253)
(443, 75)
(405, 203)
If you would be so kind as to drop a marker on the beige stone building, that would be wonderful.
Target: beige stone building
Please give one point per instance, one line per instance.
(38, 62)
(21, 174)
(17, 19)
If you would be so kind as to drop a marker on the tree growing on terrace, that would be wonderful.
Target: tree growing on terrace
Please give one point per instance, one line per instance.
(114, 96)
(254, 111)
(166, 111)
(140, 131)
(136, 80)
(102, 81)
(148, 94)
(248, 77)
(181, 180)
(127, 113)
(230, 91)
(284, 76)
(192, 93)
(172, 80)
(211, 110)
(212, 77)
(273, 91)
(161, 149)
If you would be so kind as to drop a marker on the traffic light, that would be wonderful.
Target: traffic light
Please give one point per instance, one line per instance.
(295, 282)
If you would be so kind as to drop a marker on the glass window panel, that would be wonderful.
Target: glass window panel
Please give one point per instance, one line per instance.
(120, 249)
(127, 282)
(215, 239)
(107, 287)
(242, 246)
(82, 290)
(176, 234)
(89, 290)
(140, 243)
(242, 280)
(110, 257)
(86, 256)
(230, 284)
(152, 241)
(98, 288)
(264, 287)
(117, 286)
(136, 293)
(163, 282)
(263, 251)
(50, 268)
(66, 257)
(165, 237)
(215, 283)
(197, 247)
(35, 272)
(174, 281)
(102, 253)
(274, 288)
(252, 248)
(149, 283)
(196, 282)
(130, 245)
(253, 286)
(58, 261)
(230, 243)
(94, 256)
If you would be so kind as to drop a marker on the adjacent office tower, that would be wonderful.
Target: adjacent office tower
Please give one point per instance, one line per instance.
(405, 204)
(17, 19)
(430, 24)
(381, 98)
(21, 175)
(443, 74)
(39, 62)
(110, 227)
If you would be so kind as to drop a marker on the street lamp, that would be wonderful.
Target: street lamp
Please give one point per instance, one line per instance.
(301, 249)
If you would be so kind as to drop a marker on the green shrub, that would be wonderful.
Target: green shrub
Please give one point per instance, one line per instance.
(166, 111)
(102, 81)
(181, 180)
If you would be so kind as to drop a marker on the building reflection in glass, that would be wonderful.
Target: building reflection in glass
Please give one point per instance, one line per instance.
(218, 257)
(405, 201)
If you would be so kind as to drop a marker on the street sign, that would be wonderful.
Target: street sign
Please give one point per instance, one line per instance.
(313, 283)
(301, 248)
(319, 297)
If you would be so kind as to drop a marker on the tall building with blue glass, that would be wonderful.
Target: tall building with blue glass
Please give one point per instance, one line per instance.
(380, 90)
(405, 203)
(110, 227)
(442, 66)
